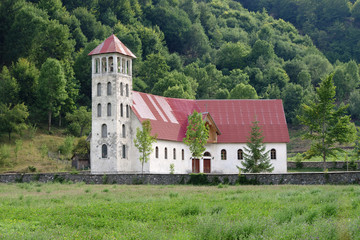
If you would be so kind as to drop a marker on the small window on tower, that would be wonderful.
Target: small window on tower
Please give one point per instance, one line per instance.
(99, 89)
(104, 131)
(127, 89)
(118, 65)
(104, 151)
(99, 110)
(123, 131)
(121, 110)
(121, 89)
(174, 154)
(103, 65)
(156, 152)
(127, 111)
(111, 64)
(109, 88)
(97, 65)
(109, 109)
(182, 154)
(165, 153)
(123, 151)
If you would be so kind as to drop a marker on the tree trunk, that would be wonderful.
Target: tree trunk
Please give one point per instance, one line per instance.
(49, 121)
(60, 119)
(142, 168)
(324, 162)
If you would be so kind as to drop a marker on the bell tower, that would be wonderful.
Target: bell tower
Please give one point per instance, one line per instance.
(111, 106)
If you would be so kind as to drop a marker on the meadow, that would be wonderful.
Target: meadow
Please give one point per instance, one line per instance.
(79, 211)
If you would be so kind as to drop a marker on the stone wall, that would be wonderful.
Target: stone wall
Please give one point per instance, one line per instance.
(337, 165)
(267, 178)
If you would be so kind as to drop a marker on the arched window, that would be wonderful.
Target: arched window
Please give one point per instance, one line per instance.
(109, 88)
(127, 66)
(123, 66)
(182, 154)
(127, 89)
(123, 151)
(273, 154)
(104, 151)
(240, 154)
(104, 131)
(156, 152)
(165, 153)
(118, 64)
(97, 65)
(111, 64)
(99, 89)
(174, 153)
(99, 110)
(121, 89)
(123, 131)
(109, 109)
(103, 65)
(121, 110)
(223, 154)
(127, 111)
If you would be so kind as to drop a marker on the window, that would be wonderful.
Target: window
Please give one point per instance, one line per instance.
(223, 154)
(109, 109)
(123, 151)
(273, 154)
(109, 88)
(121, 89)
(123, 131)
(127, 111)
(174, 154)
(127, 89)
(99, 89)
(104, 151)
(123, 66)
(104, 131)
(240, 154)
(99, 110)
(156, 152)
(182, 154)
(121, 110)
(165, 153)
(111, 64)
(97, 65)
(103, 65)
(118, 64)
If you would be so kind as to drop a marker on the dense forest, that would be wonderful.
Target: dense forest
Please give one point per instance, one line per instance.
(185, 49)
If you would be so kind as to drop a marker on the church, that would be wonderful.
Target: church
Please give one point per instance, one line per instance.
(117, 111)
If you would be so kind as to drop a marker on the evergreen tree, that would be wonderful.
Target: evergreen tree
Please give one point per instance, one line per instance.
(197, 134)
(256, 159)
(327, 125)
(143, 142)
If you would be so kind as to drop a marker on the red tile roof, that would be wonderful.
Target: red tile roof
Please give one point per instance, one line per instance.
(233, 118)
(112, 45)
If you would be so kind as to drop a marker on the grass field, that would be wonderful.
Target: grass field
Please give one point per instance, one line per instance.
(79, 211)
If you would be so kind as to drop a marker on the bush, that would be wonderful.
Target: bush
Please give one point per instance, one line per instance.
(4, 155)
(298, 161)
(198, 179)
(67, 147)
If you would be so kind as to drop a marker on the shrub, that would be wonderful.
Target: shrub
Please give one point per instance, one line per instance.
(172, 168)
(32, 169)
(67, 147)
(198, 179)
(4, 154)
(298, 161)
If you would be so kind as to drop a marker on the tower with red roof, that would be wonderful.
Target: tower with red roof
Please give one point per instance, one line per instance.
(111, 106)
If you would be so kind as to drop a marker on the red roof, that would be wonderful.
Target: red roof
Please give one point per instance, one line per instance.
(169, 117)
(112, 45)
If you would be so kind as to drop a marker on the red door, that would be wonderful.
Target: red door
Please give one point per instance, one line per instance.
(207, 166)
(195, 165)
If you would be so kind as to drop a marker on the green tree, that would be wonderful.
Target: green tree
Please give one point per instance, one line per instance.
(51, 91)
(327, 125)
(197, 134)
(12, 119)
(232, 55)
(82, 147)
(9, 88)
(256, 158)
(79, 119)
(143, 142)
(243, 91)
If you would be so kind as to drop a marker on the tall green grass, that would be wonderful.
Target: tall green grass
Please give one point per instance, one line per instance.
(79, 211)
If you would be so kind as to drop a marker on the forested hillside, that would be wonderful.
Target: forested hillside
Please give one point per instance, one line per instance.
(184, 48)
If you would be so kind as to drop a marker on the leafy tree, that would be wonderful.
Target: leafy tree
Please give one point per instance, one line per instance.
(143, 142)
(9, 88)
(82, 147)
(80, 118)
(51, 91)
(256, 158)
(292, 96)
(327, 126)
(232, 55)
(197, 134)
(243, 91)
(354, 103)
(12, 118)
(27, 75)
(222, 93)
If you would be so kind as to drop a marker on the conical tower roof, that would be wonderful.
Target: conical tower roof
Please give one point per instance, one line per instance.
(112, 45)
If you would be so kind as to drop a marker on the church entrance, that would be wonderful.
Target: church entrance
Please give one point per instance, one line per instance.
(195, 165)
(207, 162)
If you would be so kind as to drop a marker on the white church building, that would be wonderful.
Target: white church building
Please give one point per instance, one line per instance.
(117, 111)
